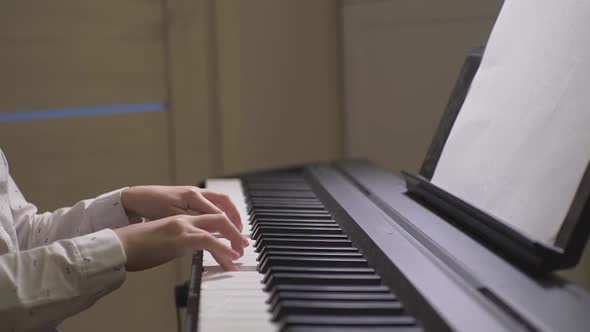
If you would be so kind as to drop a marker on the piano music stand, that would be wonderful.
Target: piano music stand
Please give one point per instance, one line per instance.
(508, 241)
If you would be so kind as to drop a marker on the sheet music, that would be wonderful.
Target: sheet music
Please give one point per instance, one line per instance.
(521, 142)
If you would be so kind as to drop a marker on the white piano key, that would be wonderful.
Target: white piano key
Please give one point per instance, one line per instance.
(248, 260)
(233, 188)
(233, 300)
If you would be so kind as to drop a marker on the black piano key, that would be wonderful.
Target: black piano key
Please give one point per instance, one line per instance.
(361, 320)
(283, 236)
(331, 240)
(254, 200)
(336, 296)
(332, 252)
(269, 254)
(301, 242)
(279, 248)
(265, 227)
(275, 260)
(328, 289)
(270, 200)
(275, 178)
(352, 299)
(315, 231)
(293, 224)
(277, 186)
(269, 212)
(302, 229)
(307, 236)
(309, 323)
(281, 194)
(286, 206)
(260, 210)
(318, 289)
(321, 279)
(343, 308)
(274, 188)
(316, 270)
(305, 249)
(296, 296)
(277, 220)
(338, 328)
(291, 214)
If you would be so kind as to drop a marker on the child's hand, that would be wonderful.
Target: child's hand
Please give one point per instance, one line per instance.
(156, 202)
(150, 244)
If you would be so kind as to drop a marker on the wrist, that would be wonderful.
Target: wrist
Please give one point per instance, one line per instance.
(127, 200)
(122, 235)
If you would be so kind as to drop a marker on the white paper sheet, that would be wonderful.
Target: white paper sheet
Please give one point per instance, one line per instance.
(521, 142)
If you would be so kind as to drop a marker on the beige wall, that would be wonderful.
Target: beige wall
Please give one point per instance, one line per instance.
(68, 53)
(279, 82)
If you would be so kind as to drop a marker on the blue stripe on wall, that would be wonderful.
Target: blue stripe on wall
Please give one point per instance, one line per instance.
(82, 111)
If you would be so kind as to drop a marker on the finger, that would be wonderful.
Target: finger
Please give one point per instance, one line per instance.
(245, 241)
(225, 204)
(223, 254)
(221, 224)
(226, 265)
(196, 201)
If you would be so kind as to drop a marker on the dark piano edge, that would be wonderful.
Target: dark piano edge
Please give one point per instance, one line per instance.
(325, 178)
(414, 302)
(192, 309)
(506, 284)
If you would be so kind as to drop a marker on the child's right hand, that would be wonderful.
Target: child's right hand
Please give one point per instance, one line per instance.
(156, 242)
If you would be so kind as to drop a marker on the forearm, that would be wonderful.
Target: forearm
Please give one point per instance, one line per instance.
(85, 217)
(43, 286)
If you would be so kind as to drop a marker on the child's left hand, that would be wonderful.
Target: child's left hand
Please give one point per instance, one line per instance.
(156, 202)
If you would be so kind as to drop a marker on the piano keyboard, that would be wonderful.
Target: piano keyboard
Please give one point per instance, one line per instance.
(301, 271)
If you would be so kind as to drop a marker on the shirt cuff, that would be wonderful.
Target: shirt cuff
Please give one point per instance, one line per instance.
(109, 209)
(102, 260)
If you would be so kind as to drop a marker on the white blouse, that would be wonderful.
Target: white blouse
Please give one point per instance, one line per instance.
(53, 265)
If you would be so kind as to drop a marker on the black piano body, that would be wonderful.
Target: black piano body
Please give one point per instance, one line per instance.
(446, 278)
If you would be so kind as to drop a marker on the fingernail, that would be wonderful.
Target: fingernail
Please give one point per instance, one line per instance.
(245, 242)
(236, 254)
